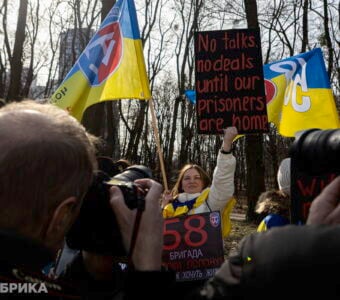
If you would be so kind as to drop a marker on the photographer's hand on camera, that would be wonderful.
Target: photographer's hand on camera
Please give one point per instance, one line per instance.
(147, 255)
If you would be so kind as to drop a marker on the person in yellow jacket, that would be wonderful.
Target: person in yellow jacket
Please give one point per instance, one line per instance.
(192, 193)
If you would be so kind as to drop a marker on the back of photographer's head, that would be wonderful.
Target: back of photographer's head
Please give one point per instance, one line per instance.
(47, 161)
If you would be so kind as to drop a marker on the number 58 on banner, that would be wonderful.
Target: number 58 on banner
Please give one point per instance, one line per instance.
(193, 245)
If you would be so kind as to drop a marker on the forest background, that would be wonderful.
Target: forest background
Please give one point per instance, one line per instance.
(33, 63)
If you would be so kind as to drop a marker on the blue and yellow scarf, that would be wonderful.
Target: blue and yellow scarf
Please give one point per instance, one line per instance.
(177, 208)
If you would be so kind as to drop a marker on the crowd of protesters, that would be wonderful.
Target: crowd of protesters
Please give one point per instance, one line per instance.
(48, 160)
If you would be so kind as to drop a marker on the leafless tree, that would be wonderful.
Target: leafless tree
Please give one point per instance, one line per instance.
(287, 27)
(15, 54)
(34, 64)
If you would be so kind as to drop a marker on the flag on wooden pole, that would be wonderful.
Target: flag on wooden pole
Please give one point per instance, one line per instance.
(111, 66)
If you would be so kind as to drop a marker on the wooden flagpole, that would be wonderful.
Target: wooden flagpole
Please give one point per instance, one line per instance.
(158, 144)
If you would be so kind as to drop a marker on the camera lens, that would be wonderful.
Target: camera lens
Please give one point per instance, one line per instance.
(133, 172)
(317, 151)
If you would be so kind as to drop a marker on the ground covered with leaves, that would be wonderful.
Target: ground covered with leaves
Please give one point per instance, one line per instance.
(240, 228)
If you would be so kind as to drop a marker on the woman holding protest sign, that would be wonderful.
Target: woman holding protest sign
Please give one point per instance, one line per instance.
(192, 194)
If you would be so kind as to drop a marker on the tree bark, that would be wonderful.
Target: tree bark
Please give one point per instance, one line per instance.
(304, 41)
(16, 58)
(254, 146)
(328, 39)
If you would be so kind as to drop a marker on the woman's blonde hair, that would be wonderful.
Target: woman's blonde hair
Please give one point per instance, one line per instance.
(177, 189)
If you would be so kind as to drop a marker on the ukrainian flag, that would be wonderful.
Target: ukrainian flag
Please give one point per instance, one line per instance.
(299, 95)
(111, 66)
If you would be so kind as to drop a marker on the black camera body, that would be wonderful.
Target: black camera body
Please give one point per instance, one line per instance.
(96, 228)
(133, 194)
(315, 162)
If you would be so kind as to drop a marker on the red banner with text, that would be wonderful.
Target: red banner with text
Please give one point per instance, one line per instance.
(193, 245)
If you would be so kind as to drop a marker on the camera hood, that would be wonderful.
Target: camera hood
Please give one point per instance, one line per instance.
(317, 151)
(130, 174)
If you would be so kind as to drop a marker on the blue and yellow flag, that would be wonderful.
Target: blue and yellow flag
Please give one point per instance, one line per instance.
(111, 66)
(299, 95)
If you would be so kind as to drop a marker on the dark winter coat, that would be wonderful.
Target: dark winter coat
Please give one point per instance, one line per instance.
(289, 262)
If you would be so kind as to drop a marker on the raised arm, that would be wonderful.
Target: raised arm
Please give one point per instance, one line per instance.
(222, 187)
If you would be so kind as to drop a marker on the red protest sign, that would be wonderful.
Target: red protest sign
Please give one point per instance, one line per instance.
(193, 245)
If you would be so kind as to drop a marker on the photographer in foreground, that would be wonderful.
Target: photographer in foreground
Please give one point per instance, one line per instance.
(47, 163)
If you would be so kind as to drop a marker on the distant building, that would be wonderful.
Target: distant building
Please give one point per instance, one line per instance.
(72, 43)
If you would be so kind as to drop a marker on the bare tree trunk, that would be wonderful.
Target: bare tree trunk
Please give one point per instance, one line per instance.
(137, 130)
(16, 57)
(328, 39)
(304, 41)
(254, 146)
(32, 37)
(173, 132)
(2, 78)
